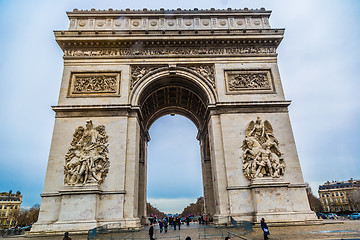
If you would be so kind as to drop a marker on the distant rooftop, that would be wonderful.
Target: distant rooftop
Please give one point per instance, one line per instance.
(10, 196)
(340, 184)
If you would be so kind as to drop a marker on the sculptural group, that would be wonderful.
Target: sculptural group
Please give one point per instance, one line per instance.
(87, 160)
(261, 156)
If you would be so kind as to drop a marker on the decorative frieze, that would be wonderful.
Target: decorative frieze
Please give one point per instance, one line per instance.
(98, 84)
(172, 51)
(87, 160)
(250, 81)
(262, 156)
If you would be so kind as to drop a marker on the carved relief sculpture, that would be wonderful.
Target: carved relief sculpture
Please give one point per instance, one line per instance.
(100, 84)
(204, 70)
(138, 72)
(261, 156)
(87, 160)
(95, 84)
(174, 51)
(249, 81)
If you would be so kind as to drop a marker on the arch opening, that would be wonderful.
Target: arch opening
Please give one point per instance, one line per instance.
(169, 94)
(173, 95)
(174, 178)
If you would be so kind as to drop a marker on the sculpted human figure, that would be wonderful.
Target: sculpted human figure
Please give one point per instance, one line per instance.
(87, 160)
(261, 156)
(140, 74)
(259, 129)
(205, 72)
(263, 160)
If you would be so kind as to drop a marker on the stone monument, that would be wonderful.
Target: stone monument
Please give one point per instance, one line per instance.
(123, 69)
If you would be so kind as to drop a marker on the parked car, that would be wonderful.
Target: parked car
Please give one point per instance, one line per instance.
(332, 216)
(354, 216)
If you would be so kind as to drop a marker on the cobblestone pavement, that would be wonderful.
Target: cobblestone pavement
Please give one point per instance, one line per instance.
(347, 229)
(331, 230)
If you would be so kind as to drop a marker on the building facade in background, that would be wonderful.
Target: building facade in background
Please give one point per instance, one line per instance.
(9, 208)
(340, 196)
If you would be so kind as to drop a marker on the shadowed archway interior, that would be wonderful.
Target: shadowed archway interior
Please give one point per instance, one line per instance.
(173, 95)
(182, 96)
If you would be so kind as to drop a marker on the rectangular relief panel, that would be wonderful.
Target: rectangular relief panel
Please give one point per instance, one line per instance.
(99, 84)
(249, 81)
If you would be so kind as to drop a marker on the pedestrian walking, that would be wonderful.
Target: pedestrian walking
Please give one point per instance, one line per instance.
(227, 238)
(151, 232)
(161, 224)
(66, 236)
(179, 222)
(174, 222)
(165, 225)
(265, 229)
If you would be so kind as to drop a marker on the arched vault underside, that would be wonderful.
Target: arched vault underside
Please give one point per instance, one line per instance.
(173, 95)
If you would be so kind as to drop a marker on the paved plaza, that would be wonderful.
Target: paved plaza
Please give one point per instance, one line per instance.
(330, 230)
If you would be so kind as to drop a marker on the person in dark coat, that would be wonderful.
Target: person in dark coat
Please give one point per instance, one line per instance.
(265, 229)
(174, 222)
(165, 225)
(66, 236)
(151, 232)
(161, 224)
(178, 220)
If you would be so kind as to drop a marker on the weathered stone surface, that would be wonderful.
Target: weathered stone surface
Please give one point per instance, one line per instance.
(124, 73)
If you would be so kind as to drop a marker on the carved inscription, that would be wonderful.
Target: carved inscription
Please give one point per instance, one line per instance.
(173, 51)
(94, 84)
(87, 160)
(249, 81)
(261, 156)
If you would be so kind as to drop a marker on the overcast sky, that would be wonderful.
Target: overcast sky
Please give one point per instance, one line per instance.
(319, 66)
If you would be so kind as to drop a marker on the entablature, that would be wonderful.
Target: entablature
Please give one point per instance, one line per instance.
(170, 33)
(105, 44)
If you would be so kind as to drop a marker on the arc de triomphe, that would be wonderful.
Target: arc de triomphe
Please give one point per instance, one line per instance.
(123, 69)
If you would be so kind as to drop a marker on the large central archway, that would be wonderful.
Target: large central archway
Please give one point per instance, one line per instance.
(179, 91)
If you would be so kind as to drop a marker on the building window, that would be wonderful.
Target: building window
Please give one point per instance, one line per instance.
(5, 207)
(337, 194)
(341, 194)
(16, 207)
